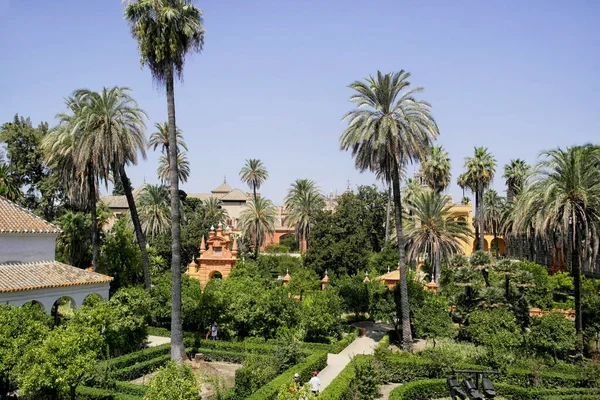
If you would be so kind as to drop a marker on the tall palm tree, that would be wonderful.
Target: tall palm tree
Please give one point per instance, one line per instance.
(433, 230)
(166, 31)
(562, 197)
(480, 171)
(254, 174)
(515, 174)
(9, 187)
(160, 138)
(183, 168)
(258, 219)
(303, 201)
(462, 182)
(155, 210)
(410, 191)
(388, 129)
(114, 134)
(214, 211)
(76, 166)
(436, 168)
(492, 215)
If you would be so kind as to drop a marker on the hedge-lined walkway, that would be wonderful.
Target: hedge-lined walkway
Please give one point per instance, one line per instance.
(362, 345)
(153, 341)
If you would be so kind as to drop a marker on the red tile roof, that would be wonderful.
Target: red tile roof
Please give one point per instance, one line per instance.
(16, 277)
(16, 219)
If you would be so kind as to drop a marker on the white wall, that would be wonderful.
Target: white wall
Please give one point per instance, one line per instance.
(27, 247)
(48, 296)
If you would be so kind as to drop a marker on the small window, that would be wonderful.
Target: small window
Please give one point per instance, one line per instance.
(217, 251)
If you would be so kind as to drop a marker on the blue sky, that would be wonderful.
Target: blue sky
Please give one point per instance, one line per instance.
(271, 83)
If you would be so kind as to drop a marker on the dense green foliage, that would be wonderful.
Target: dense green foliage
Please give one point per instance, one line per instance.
(433, 321)
(552, 334)
(21, 329)
(174, 382)
(342, 242)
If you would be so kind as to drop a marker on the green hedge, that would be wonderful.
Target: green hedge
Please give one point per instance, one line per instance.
(251, 346)
(339, 388)
(138, 356)
(408, 368)
(315, 362)
(432, 388)
(89, 393)
(343, 343)
(421, 390)
(521, 393)
(139, 369)
(129, 388)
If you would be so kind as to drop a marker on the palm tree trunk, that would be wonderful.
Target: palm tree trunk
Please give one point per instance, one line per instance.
(137, 226)
(497, 249)
(387, 215)
(406, 332)
(257, 240)
(480, 218)
(177, 349)
(438, 266)
(94, 215)
(576, 271)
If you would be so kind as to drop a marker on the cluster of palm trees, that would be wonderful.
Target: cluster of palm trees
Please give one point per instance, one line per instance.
(302, 202)
(558, 201)
(388, 129)
(99, 135)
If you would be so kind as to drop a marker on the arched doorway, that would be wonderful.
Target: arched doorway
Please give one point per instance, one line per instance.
(499, 243)
(215, 275)
(35, 303)
(92, 299)
(62, 309)
(485, 244)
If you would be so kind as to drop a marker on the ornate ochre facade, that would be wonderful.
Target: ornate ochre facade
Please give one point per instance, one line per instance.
(217, 256)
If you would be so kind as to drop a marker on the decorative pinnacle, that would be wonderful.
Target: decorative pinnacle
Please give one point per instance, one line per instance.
(212, 228)
(388, 268)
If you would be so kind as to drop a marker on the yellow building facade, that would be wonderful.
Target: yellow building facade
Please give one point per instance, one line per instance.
(464, 213)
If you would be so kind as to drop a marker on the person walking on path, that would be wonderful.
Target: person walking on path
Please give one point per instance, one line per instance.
(214, 332)
(315, 382)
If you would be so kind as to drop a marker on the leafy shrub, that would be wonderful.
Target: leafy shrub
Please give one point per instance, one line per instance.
(174, 382)
(496, 329)
(552, 333)
(433, 320)
(365, 385)
(255, 372)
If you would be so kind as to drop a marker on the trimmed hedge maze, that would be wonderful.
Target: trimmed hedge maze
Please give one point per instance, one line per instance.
(132, 366)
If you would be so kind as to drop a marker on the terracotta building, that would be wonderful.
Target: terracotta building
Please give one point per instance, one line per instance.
(217, 256)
